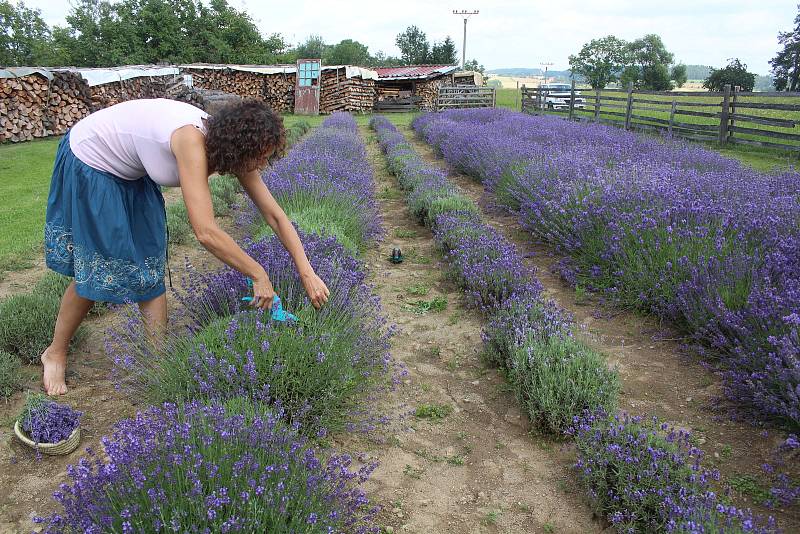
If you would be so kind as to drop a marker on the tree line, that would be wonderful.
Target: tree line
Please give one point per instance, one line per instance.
(105, 33)
(647, 64)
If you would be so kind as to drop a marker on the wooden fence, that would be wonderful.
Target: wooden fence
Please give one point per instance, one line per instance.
(465, 96)
(728, 116)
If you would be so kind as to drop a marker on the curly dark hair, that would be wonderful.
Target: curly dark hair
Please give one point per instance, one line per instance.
(242, 134)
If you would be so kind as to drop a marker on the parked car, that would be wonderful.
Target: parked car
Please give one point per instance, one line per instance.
(557, 95)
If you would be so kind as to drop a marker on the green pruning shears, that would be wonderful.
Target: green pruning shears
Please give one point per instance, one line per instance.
(278, 313)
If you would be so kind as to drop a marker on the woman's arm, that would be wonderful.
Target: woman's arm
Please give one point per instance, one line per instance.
(275, 217)
(188, 145)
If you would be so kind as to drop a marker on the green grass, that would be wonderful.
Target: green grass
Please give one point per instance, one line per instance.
(508, 98)
(25, 170)
(760, 158)
(10, 375)
(434, 412)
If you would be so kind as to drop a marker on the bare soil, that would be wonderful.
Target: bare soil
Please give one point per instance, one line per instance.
(477, 469)
(658, 375)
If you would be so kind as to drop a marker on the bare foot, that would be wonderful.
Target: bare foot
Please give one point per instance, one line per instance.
(55, 367)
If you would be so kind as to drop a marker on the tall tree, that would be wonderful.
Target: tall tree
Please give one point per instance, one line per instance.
(786, 64)
(473, 64)
(380, 59)
(413, 45)
(24, 36)
(312, 48)
(653, 60)
(734, 74)
(347, 52)
(678, 75)
(600, 61)
(444, 53)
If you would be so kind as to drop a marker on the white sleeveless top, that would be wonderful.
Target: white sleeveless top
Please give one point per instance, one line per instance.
(132, 139)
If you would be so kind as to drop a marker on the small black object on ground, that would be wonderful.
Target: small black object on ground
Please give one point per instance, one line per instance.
(397, 256)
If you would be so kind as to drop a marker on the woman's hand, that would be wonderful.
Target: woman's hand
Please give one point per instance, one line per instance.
(263, 292)
(315, 288)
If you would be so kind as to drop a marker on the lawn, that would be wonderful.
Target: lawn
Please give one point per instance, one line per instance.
(25, 171)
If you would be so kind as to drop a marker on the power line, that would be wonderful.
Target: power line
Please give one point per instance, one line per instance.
(466, 14)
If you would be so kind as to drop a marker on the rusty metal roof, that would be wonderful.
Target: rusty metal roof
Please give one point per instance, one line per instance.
(411, 72)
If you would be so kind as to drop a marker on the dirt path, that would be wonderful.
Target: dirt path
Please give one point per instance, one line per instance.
(658, 377)
(476, 469)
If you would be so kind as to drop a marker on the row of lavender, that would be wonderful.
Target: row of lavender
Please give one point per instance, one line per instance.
(642, 475)
(238, 399)
(665, 227)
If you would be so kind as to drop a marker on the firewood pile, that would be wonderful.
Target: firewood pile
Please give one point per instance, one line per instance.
(276, 89)
(108, 94)
(340, 93)
(33, 106)
(208, 100)
(428, 91)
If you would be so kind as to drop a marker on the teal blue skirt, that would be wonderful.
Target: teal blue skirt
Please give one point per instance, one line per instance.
(108, 233)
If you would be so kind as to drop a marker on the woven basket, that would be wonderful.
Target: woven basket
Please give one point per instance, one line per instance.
(62, 447)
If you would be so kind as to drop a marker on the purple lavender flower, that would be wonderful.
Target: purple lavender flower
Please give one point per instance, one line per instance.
(47, 421)
(214, 468)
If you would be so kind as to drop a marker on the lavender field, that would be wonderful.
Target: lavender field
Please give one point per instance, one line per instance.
(663, 227)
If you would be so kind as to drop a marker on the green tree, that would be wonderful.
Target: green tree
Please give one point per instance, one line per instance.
(413, 45)
(600, 61)
(24, 36)
(347, 52)
(653, 60)
(313, 47)
(444, 53)
(786, 64)
(678, 75)
(473, 64)
(380, 59)
(734, 74)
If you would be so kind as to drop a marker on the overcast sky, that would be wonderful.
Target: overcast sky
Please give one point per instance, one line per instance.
(516, 33)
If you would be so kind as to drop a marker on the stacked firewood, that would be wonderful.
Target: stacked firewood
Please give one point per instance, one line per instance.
(340, 93)
(33, 106)
(428, 91)
(112, 93)
(276, 89)
(206, 99)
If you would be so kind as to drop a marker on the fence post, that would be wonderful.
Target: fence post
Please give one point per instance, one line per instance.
(572, 100)
(672, 115)
(732, 121)
(522, 98)
(597, 106)
(724, 115)
(629, 107)
(494, 97)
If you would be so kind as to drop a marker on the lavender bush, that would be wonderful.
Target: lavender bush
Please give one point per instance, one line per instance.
(663, 226)
(555, 377)
(647, 477)
(47, 421)
(214, 468)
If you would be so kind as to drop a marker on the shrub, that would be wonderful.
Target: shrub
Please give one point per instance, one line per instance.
(216, 468)
(10, 376)
(557, 379)
(647, 477)
(26, 325)
(223, 193)
(320, 369)
(178, 227)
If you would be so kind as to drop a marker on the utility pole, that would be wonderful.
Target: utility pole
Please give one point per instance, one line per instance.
(545, 65)
(466, 14)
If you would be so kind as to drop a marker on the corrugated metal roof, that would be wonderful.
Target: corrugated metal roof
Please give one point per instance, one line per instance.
(409, 72)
